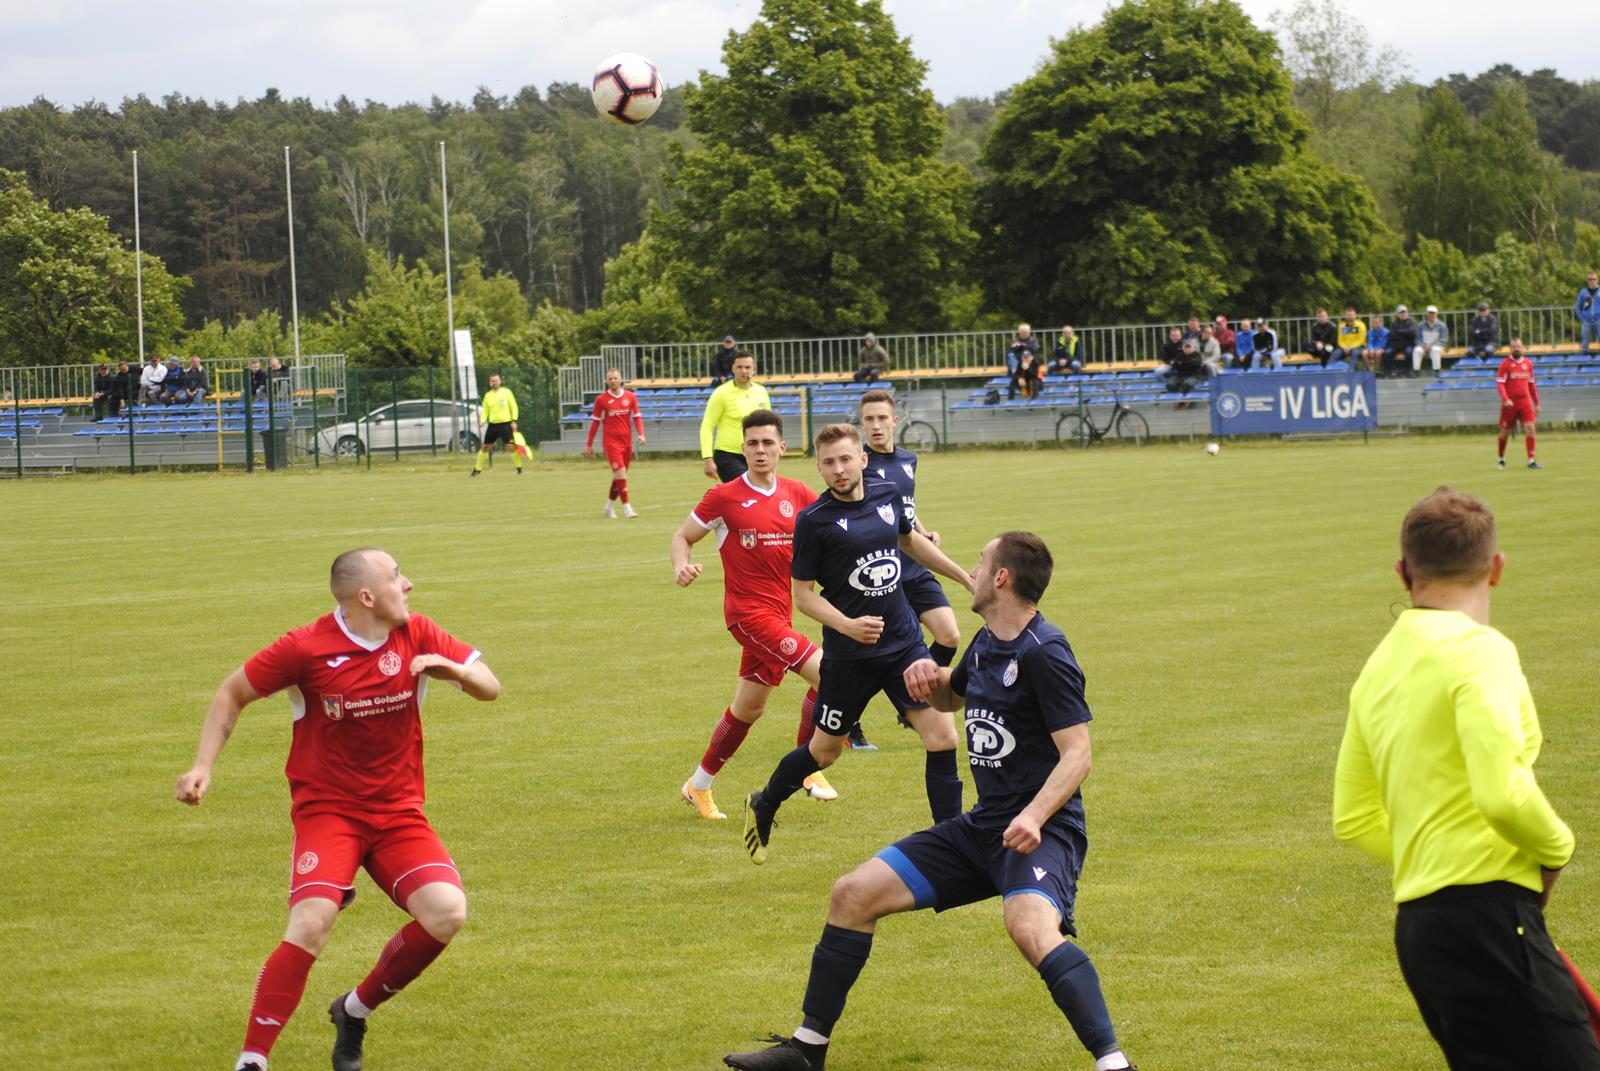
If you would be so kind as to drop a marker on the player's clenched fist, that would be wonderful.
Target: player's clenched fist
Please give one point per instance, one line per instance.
(864, 629)
(687, 573)
(922, 677)
(1022, 835)
(192, 787)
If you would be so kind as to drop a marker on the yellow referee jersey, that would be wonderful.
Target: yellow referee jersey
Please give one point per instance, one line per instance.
(499, 406)
(722, 428)
(1435, 774)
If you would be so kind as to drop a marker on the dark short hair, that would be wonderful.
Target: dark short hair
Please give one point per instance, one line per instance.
(762, 418)
(1028, 560)
(1449, 536)
(832, 433)
(877, 396)
(742, 354)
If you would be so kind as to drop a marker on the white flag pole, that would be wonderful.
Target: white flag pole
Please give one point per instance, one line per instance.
(138, 260)
(449, 302)
(294, 286)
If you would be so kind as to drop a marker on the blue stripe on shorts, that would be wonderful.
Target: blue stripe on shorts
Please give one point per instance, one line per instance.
(921, 888)
(1031, 890)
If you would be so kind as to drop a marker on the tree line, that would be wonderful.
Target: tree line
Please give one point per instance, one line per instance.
(1174, 157)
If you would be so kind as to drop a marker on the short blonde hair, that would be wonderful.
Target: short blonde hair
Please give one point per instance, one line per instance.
(833, 433)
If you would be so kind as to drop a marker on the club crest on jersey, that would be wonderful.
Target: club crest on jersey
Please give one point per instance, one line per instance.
(911, 473)
(747, 538)
(786, 508)
(1009, 677)
(306, 863)
(887, 513)
(333, 706)
(787, 645)
(389, 663)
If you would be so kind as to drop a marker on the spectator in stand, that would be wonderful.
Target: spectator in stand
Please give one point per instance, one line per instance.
(1023, 343)
(1225, 337)
(1377, 343)
(1171, 353)
(258, 381)
(196, 384)
(873, 362)
(1186, 371)
(1402, 340)
(722, 360)
(1266, 345)
(1433, 335)
(1483, 333)
(1068, 357)
(102, 392)
(1324, 338)
(1192, 329)
(1210, 350)
(150, 379)
(1244, 346)
(125, 389)
(276, 370)
(1587, 310)
(1028, 375)
(1352, 337)
(173, 383)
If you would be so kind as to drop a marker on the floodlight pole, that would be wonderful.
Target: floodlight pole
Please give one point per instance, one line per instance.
(449, 302)
(294, 286)
(138, 261)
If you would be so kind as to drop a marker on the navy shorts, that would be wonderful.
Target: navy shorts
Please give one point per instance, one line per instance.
(924, 593)
(958, 862)
(848, 685)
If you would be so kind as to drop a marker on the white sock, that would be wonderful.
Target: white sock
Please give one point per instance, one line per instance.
(701, 780)
(1111, 1061)
(810, 1037)
(251, 1058)
(353, 1006)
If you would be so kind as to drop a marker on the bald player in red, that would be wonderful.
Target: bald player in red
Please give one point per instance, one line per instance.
(753, 516)
(1519, 400)
(356, 679)
(618, 411)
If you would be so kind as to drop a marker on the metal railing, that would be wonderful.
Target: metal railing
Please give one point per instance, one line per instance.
(59, 382)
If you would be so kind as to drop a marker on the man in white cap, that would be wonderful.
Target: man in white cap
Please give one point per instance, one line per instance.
(1432, 337)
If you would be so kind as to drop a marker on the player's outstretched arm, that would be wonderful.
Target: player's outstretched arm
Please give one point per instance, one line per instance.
(809, 601)
(1023, 835)
(928, 682)
(475, 678)
(233, 695)
(683, 570)
(928, 553)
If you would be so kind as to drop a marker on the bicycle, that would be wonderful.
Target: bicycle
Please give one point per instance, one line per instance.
(1124, 425)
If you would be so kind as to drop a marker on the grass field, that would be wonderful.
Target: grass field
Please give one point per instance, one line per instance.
(1221, 609)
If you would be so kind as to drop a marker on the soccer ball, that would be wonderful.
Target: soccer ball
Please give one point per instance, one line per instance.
(628, 88)
(1213, 449)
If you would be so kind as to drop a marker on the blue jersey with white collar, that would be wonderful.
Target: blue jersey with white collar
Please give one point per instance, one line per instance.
(1016, 694)
(852, 551)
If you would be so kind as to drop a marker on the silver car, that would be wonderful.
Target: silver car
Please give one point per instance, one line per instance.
(417, 424)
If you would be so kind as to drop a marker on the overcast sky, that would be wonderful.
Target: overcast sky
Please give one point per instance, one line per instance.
(70, 51)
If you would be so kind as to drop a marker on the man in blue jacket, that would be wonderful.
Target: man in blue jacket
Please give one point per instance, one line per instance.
(1587, 310)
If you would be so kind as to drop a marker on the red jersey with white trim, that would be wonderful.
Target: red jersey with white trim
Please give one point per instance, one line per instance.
(1515, 380)
(357, 744)
(755, 533)
(614, 411)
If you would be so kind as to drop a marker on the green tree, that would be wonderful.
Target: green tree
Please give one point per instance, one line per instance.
(1449, 191)
(1155, 167)
(815, 201)
(67, 285)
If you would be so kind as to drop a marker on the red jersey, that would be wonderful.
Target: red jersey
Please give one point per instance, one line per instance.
(1515, 380)
(755, 533)
(357, 744)
(614, 411)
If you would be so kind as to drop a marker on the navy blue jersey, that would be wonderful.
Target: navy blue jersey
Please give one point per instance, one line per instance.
(1017, 693)
(851, 550)
(900, 469)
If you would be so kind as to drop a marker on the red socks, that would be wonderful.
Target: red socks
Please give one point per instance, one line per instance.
(622, 490)
(406, 955)
(612, 494)
(808, 706)
(278, 992)
(725, 740)
(1529, 439)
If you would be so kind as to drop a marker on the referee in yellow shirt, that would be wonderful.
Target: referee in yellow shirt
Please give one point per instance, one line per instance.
(499, 414)
(722, 428)
(1435, 778)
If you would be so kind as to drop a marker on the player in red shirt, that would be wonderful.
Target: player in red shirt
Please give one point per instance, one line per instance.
(753, 516)
(618, 410)
(356, 680)
(1519, 400)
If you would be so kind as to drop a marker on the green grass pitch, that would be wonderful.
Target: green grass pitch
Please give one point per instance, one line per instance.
(1221, 609)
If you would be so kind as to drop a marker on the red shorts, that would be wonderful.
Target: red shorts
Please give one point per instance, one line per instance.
(771, 647)
(620, 455)
(1519, 409)
(401, 852)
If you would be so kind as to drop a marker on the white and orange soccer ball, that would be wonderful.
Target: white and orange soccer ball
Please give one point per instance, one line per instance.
(627, 88)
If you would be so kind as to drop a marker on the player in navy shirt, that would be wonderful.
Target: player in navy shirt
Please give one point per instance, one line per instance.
(1028, 742)
(849, 541)
(923, 591)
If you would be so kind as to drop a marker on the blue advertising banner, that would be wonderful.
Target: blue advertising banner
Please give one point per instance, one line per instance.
(1273, 403)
